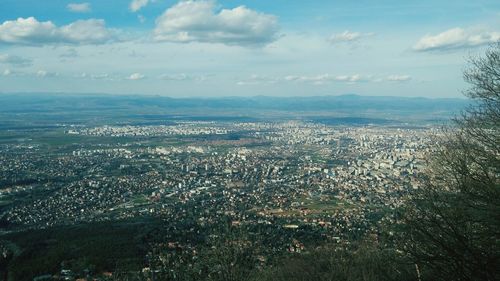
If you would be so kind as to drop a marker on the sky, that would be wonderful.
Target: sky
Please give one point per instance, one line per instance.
(211, 48)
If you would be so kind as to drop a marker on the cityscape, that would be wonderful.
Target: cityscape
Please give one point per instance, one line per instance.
(265, 171)
(235, 140)
(299, 182)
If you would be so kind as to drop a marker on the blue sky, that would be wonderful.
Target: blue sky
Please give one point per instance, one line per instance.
(242, 48)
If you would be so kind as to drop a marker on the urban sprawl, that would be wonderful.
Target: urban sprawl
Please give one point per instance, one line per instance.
(285, 178)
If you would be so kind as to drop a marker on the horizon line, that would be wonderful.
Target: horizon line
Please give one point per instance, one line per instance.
(82, 94)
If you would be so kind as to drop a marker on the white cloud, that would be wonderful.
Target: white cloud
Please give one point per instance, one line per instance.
(258, 80)
(15, 60)
(30, 31)
(11, 72)
(348, 78)
(325, 78)
(98, 76)
(347, 36)
(174, 77)
(398, 78)
(136, 5)
(44, 74)
(136, 76)
(456, 38)
(41, 73)
(354, 78)
(86, 31)
(79, 7)
(182, 77)
(198, 21)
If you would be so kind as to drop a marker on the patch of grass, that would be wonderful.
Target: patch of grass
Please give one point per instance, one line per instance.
(140, 200)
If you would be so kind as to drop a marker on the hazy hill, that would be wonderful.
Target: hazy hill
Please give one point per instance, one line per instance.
(62, 107)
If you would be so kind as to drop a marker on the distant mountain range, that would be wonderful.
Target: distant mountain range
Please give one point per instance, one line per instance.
(380, 107)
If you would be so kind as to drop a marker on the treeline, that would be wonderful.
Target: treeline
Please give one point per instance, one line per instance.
(231, 259)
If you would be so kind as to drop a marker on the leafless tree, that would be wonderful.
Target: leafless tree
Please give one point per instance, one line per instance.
(453, 223)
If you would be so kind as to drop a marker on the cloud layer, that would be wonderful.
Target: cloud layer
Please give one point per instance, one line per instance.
(14, 60)
(456, 38)
(323, 79)
(198, 21)
(30, 31)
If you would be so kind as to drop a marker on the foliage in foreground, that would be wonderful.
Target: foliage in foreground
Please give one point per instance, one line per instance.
(453, 223)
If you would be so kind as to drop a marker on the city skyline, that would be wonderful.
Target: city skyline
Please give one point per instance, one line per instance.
(242, 48)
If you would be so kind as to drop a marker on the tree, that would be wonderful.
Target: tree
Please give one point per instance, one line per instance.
(453, 223)
(226, 255)
(358, 261)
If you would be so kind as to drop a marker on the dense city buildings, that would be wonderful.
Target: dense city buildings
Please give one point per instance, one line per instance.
(300, 182)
